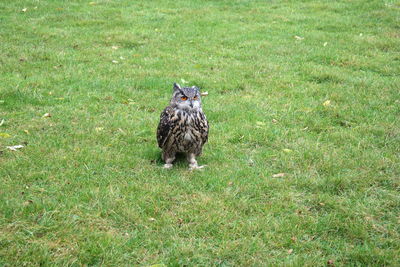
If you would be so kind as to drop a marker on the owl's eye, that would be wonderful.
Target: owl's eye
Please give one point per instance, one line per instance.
(195, 98)
(184, 98)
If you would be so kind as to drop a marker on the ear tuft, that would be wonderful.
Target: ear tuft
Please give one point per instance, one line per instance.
(177, 87)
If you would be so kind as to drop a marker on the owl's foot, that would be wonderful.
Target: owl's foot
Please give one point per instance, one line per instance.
(168, 166)
(195, 167)
(169, 158)
(193, 162)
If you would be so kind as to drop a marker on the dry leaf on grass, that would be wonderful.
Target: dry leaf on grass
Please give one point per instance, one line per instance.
(14, 148)
(46, 115)
(279, 175)
(26, 203)
(5, 135)
(298, 37)
(204, 94)
(290, 251)
(327, 103)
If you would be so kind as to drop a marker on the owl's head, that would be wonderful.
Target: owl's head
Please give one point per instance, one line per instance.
(186, 98)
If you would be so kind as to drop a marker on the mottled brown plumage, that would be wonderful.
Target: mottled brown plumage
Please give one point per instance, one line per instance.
(183, 126)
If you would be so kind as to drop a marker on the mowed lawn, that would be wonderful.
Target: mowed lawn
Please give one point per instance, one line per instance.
(304, 148)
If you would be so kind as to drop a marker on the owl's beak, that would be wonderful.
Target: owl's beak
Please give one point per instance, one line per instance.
(191, 104)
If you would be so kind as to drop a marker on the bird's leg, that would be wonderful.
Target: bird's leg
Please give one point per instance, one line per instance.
(193, 162)
(169, 158)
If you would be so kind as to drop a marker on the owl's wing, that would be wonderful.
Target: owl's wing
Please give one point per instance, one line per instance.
(165, 125)
(205, 127)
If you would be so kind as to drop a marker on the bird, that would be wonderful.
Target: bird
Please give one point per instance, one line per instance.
(183, 127)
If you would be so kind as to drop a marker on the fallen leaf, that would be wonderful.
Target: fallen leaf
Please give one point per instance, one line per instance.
(152, 219)
(274, 121)
(279, 175)
(114, 61)
(46, 115)
(5, 135)
(290, 251)
(251, 162)
(327, 103)
(322, 204)
(14, 148)
(298, 37)
(204, 94)
(24, 9)
(26, 203)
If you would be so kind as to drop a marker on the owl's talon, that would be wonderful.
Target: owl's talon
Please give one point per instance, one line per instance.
(167, 166)
(195, 167)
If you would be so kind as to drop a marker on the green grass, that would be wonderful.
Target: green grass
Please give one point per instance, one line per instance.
(89, 188)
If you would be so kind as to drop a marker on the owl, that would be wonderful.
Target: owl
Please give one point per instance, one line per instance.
(183, 126)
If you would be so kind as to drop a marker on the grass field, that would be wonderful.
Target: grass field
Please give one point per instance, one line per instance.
(308, 90)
